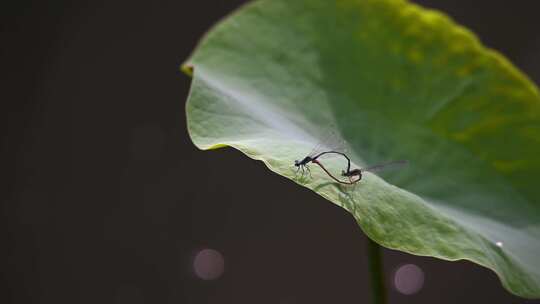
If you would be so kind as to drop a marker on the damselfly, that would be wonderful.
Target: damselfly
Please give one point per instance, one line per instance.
(303, 164)
(350, 182)
(331, 144)
(379, 167)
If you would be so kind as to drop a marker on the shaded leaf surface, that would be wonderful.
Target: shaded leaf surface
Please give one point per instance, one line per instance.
(394, 81)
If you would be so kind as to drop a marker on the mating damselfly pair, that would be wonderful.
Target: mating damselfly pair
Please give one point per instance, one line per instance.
(353, 175)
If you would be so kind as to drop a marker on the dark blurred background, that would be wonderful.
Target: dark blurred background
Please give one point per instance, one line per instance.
(106, 200)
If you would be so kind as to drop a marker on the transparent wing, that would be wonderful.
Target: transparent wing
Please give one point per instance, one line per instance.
(384, 166)
(330, 141)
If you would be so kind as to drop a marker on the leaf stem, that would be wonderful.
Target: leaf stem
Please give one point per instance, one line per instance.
(376, 272)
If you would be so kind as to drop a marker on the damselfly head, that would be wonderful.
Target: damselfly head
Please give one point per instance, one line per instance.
(297, 163)
(351, 173)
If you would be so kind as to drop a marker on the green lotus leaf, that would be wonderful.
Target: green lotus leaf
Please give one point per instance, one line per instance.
(393, 81)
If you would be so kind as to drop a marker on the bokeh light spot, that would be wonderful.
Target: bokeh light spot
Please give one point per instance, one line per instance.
(208, 264)
(409, 279)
